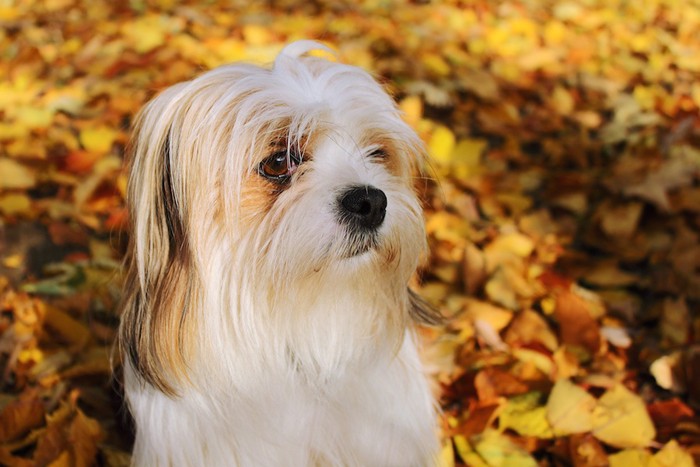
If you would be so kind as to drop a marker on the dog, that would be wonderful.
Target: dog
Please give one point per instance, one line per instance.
(274, 229)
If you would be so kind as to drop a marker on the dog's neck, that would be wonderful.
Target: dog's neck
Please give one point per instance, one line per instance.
(319, 330)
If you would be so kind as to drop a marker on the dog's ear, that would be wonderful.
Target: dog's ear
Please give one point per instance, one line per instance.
(158, 289)
(421, 311)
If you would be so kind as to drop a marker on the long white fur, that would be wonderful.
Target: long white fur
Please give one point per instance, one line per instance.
(302, 356)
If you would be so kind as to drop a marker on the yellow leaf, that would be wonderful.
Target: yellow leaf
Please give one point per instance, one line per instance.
(122, 184)
(695, 93)
(12, 131)
(254, 34)
(145, 34)
(499, 290)
(13, 261)
(630, 457)
(645, 96)
(539, 360)
(441, 145)
(9, 13)
(570, 409)
(436, 64)
(15, 175)
(32, 117)
(621, 419)
(563, 101)
(555, 32)
(447, 456)
(468, 152)
(496, 316)
(30, 355)
(515, 243)
(499, 451)
(15, 203)
(672, 455)
(467, 453)
(548, 305)
(99, 140)
(412, 108)
(524, 415)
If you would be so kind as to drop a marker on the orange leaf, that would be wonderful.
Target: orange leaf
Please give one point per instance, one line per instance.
(21, 415)
(576, 325)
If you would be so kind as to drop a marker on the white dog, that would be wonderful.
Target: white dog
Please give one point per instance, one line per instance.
(274, 231)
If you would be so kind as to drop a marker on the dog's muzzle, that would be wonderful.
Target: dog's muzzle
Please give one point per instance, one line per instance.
(362, 208)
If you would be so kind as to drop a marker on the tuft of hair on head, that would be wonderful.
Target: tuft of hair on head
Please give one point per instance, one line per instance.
(304, 47)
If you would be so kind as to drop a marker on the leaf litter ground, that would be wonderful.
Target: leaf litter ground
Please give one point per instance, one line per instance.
(562, 207)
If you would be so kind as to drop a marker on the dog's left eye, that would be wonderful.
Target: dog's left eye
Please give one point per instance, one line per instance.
(377, 153)
(280, 166)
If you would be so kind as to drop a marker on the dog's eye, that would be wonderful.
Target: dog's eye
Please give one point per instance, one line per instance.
(377, 153)
(280, 166)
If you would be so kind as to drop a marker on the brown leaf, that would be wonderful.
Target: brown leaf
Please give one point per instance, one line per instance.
(84, 434)
(667, 415)
(479, 417)
(492, 383)
(475, 274)
(21, 415)
(620, 220)
(70, 437)
(586, 451)
(527, 327)
(576, 325)
(6, 458)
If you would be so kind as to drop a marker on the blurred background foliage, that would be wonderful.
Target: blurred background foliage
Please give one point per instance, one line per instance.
(563, 210)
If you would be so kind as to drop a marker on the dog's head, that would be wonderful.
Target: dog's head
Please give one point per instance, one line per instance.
(255, 191)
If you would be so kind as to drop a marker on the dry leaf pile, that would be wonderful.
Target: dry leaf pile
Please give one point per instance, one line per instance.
(563, 212)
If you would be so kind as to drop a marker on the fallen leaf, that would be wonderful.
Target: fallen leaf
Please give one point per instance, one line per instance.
(621, 419)
(70, 329)
(498, 451)
(98, 139)
(479, 418)
(667, 372)
(620, 220)
(619, 337)
(497, 317)
(576, 325)
(441, 145)
(467, 453)
(570, 409)
(84, 435)
(675, 321)
(672, 455)
(21, 415)
(528, 327)
(13, 204)
(586, 451)
(492, 383)
(630, 457)
(447, 456)
(526, 416)
(15, 175)
(668, 415)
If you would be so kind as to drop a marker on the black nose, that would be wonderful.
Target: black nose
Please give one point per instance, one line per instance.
(363, 206)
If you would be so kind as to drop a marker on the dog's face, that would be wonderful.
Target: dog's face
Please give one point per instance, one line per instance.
(268, 189)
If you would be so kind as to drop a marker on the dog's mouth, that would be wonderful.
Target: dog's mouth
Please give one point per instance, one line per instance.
(360, 243)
